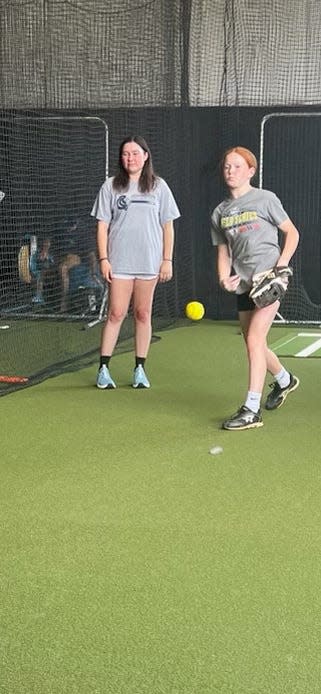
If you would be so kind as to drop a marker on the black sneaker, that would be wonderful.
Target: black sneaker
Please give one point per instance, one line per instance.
(244, 418)
(278, 395)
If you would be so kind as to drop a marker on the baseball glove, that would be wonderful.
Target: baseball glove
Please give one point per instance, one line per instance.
(270, 286)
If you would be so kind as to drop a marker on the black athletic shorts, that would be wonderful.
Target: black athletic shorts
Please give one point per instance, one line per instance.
(244, 303)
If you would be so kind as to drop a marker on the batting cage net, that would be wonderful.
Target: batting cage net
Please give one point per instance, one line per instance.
(193, 77)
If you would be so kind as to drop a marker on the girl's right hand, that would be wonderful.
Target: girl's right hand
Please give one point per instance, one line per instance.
(231, 283)
(106, 270)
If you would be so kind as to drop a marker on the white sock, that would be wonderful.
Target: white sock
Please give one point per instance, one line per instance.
(283, 378)
(253, 401)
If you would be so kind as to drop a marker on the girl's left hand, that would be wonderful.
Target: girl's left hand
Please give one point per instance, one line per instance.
(166, 271)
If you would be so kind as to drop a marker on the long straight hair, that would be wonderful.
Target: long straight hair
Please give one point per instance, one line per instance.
(147, 177)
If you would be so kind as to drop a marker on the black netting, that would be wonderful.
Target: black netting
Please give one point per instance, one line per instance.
(251, 53)
(97, 54)
(90, 53)
(290, 160)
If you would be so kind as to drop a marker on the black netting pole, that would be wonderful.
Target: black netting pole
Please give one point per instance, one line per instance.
(185, 39)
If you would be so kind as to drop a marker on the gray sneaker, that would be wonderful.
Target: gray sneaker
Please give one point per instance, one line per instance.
(244, 418)
(104, 379)
(278, 395)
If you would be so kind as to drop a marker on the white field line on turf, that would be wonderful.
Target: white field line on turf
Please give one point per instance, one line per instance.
(309, 334)
(286, 342)
(310, 349)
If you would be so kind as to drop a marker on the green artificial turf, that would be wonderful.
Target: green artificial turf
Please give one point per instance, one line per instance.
(132, 560)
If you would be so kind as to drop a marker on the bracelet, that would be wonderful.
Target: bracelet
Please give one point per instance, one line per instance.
(101, 259)
(168, 260)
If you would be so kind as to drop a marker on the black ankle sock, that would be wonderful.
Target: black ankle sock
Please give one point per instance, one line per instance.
(104, 360)
(139, 360)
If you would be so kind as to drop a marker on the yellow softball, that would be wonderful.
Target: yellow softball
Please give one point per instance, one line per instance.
(194, 310)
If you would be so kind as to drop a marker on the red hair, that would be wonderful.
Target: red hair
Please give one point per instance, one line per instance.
(249, 157)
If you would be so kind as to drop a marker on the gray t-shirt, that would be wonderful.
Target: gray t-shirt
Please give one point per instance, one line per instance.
(249, 226)
(135, 237)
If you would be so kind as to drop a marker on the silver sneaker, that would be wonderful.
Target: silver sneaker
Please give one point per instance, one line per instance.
(140, 379)
(104, 379)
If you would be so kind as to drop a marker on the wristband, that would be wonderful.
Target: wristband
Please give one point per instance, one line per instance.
(168, 260)
(101, 259)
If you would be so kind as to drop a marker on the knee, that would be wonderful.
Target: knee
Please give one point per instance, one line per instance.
(142, 315)
(254, 343)
(116, 315)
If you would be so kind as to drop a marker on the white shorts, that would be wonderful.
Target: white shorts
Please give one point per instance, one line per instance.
(127, 276)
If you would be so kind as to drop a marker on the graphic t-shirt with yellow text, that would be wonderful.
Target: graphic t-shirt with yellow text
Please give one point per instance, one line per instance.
(249, 226)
